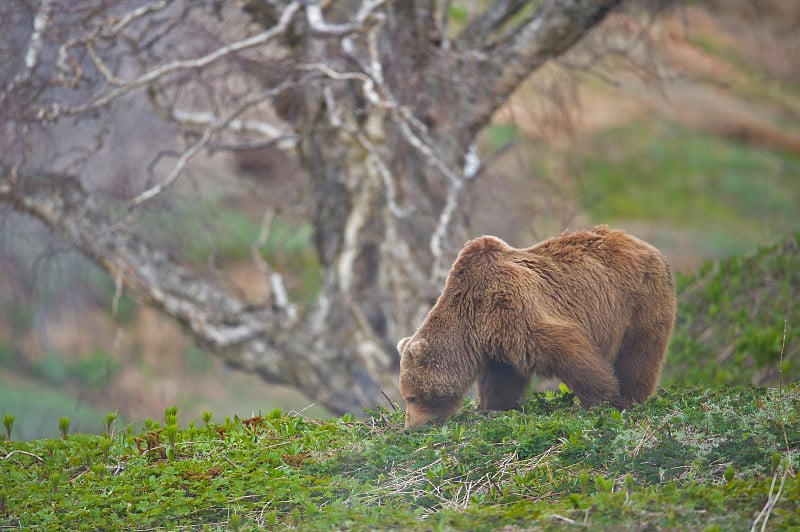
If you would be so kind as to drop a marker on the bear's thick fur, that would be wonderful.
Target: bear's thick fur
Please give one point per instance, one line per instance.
(593, 308)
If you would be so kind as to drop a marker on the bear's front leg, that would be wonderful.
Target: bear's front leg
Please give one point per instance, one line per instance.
(593, 382)
(562, 351)
(500, 387)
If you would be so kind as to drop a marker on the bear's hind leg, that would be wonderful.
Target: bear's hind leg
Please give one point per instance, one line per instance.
(638, 363)
(500, 387)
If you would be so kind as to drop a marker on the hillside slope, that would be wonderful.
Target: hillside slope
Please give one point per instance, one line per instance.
(683, 129)
(687, 459)
(739, 320)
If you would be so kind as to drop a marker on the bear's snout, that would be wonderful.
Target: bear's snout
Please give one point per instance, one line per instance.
(419, 413)
(416, 418)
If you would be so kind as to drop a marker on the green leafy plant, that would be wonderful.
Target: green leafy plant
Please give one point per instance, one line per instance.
(171, 415)
(729, 473)
(8, 423)
(109, 421)
(63, 427)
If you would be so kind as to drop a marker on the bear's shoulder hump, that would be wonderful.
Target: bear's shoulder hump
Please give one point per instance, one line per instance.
(481, 246)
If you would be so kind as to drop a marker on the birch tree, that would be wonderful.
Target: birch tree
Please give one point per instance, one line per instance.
(380, 101)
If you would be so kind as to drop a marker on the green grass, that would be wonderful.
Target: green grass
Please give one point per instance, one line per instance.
(681, 178)
(731, 320)
(688, 459)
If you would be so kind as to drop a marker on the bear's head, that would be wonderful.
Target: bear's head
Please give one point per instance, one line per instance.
(426, 386)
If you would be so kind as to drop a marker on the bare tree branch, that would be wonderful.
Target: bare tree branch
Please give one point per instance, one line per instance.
(554, 27)
(40, 23)
(56, 110)
(441, 17)
(214, 126)
(316, 19)
(266, 131)
(386, 174)
(415, 132)
(279, 295)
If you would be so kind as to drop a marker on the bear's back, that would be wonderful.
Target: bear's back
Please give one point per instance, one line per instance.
(599, 278)
(600, 244)
(598, 267)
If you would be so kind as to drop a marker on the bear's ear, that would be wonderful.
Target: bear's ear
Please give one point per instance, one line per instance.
(402, 344)
(413, 351)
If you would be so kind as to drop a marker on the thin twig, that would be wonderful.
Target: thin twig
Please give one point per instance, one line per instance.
(177, 170)
(225, 457)
(317, 22)
(394, 405)
(564, 519)
(118, 284)
(284, 139)
(261, 241)
(9, 455)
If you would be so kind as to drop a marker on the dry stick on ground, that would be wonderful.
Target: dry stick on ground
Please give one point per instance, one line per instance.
(455, 492)
(780, 360)
(12, 453)
(771, 501)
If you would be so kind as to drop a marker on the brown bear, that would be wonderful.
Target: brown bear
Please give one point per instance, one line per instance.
(592, 308)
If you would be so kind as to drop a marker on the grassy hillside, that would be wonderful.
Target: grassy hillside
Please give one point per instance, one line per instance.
(739, 320)
(694, 459)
